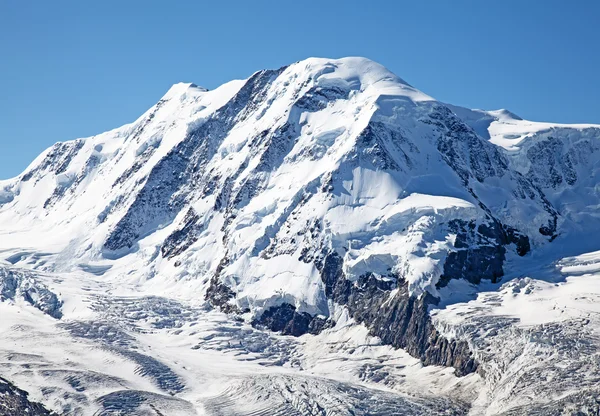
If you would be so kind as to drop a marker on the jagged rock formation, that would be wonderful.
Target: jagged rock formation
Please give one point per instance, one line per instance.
(14, 401)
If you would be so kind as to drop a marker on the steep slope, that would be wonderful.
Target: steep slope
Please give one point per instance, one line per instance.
(14, 401)
(172, 257)
(561, 160)
(279, 198)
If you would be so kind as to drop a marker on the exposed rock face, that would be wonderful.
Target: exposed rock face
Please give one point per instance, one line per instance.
(14, 402)
(551, 166)
(387, 308)
(286, 320)
(183, 238)
(399, 319)
(475, 160)
(181, 171)
(57, 159)
(480, 251)
(220, 296)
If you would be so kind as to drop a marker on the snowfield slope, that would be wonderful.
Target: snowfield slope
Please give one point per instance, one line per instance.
(327, 200)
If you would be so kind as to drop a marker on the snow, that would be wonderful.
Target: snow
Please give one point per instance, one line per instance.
(205, 350)
(398, 238)
(183, 90)
(506, 129)
(393, 220)
(543, 325)
(334, 155)
(563, 160)
(356, 73)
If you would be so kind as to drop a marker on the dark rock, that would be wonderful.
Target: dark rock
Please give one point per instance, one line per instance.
(14, 402)
(182, 238)
(219, 294)
(317, 98)
(71, 185)
(399, 320)
(521, 241)
(57, 160)
(474, 265)
(551, 165)
(183, 168)
(376, 144)
(475, 159)
(286, 320)
(480, 251)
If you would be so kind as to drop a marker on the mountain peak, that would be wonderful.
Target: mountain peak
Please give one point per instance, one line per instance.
(357, 73)
(313, 198)
(181, 88)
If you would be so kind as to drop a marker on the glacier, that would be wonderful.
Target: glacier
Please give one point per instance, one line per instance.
(300, 242)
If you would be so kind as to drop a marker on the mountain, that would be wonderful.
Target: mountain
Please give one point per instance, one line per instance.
(327, 200)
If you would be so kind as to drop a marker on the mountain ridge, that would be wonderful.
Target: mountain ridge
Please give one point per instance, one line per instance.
(318, 186)
(318, 83)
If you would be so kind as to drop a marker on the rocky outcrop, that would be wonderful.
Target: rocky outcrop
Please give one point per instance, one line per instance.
(386, 306)
(219, 296)
(182, 171)
(286, 320)
(551, 164)
(57, 159)
(480, 251)
(181, 239)
(398, 319)
(475, 160)
(14, 401)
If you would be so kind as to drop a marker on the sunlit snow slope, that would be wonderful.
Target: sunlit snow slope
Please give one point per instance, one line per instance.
(328, 199)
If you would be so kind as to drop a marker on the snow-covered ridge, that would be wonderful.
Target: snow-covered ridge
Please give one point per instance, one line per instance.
(508, 130)
(326, 197)
(219, 179)
(561, 159)
(322, 104)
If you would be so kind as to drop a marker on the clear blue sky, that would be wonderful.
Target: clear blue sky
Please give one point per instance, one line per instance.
(72, 69)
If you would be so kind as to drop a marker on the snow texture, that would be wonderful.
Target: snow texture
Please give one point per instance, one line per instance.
(330, 200)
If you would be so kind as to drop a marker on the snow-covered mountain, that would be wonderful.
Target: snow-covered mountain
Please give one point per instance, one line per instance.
(327, 200)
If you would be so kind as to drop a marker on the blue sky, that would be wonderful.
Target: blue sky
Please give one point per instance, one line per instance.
(72, 69)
